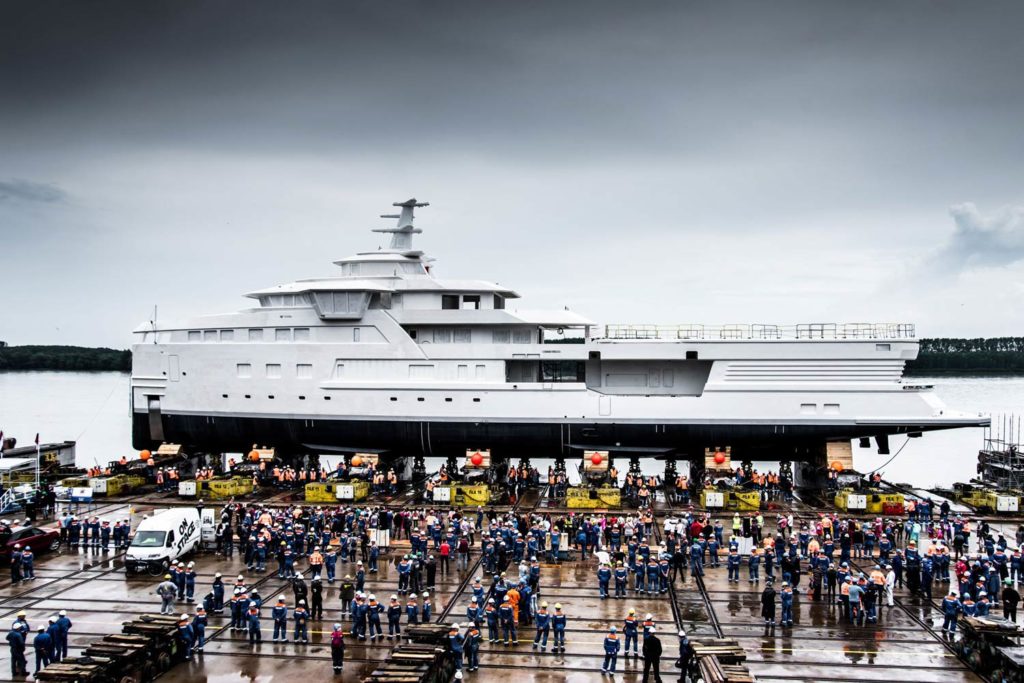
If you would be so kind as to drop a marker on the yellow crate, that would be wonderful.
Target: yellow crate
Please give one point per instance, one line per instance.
(74, 482)
(319, 492)
(981, 499)
(580, 497)
(243, 485)
(479, 494)
(745, 500)
(609, 496)
(877, 501)
(218, 489)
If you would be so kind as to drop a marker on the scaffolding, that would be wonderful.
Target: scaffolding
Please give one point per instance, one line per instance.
(1001, 460)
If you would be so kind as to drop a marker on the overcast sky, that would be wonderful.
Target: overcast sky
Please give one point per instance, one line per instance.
(636, 162)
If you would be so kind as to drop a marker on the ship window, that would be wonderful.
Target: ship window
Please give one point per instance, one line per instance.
(302, 398)
(501, 336)
(447, 400)
(808, 408)
(443, 335)
(327, 398)
(462, 335)
(256, 335)
(209, 335)
(244, 370)
(223, 395)
(449, 301)
(476, 400)
(420, 399)
(499, 301)
(463, 372)
(562, 371)
(394, 398)
(270, 396)
(283, 334)
(831, 408)
(248, 396)
(304, 371)
(522, 336)
(412, 334)
(471, 302)
(355, 334)
(883, 347)
(195, 335)
(339, 370)
(302, 334)
(691, 355)
(227, 335)
(273, 371)
(481, 371)
(385, 300)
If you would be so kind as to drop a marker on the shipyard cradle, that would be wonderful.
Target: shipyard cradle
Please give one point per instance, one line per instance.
(385, 356)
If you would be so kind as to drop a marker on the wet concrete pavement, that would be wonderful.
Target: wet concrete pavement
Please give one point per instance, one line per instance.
(820, 647)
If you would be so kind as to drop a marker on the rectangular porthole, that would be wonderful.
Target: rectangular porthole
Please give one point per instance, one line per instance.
(302, 398)
(224, 395)
(883, 347)
(808, 408)
(447, 400)
(476, 400)
(420, 399)
(327, 398)
(394, 398)
(270, 396)
(248, 396)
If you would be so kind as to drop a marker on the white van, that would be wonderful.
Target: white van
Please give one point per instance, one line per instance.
(166, 536)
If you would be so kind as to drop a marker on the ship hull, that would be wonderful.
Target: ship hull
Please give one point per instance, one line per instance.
(441, 438)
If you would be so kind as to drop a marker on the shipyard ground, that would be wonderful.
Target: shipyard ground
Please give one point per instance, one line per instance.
(906, 645)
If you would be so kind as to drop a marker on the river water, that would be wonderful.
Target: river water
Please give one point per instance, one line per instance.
(92, 409)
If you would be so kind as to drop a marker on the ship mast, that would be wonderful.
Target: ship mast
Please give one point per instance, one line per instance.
(401, 234)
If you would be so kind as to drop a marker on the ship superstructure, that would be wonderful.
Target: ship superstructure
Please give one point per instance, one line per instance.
(386, 356)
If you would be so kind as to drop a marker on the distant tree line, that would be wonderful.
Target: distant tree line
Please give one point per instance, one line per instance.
(998, 354)
(64, 358)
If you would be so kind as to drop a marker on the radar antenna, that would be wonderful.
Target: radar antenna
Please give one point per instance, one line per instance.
(401, 234)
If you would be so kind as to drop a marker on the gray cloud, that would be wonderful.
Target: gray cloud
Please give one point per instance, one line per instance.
(18, 189)
(980, 240)
(590, 153)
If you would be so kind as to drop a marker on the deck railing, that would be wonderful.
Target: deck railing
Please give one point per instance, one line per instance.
(761, 331)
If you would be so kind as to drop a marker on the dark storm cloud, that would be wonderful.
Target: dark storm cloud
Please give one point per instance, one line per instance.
(980, 240)
(592, 153)
(17, 189)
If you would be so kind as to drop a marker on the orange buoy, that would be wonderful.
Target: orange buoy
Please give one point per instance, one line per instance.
(477, 459)
(719, 457)
(357, 461)
(144, 455)
(596, 458)
(837, 466)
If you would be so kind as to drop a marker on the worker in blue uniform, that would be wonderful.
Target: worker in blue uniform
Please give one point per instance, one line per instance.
(612, 645)
(558, 624)
(279, 614)
(631, 630)
(199, 623)
(604, 577)
(951, 609)
(543, 623)
(455, 645)
(43, 645)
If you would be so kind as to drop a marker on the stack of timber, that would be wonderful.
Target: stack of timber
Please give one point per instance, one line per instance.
(147, 647)
(424, 660)
(720, 660)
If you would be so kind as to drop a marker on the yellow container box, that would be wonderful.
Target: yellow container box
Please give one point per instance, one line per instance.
(748, 501)
(319, 492)
(878, 502)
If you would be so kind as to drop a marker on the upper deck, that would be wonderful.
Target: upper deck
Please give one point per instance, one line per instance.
(761, 332)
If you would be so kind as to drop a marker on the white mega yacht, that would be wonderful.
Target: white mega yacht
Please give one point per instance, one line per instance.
(385, 357)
